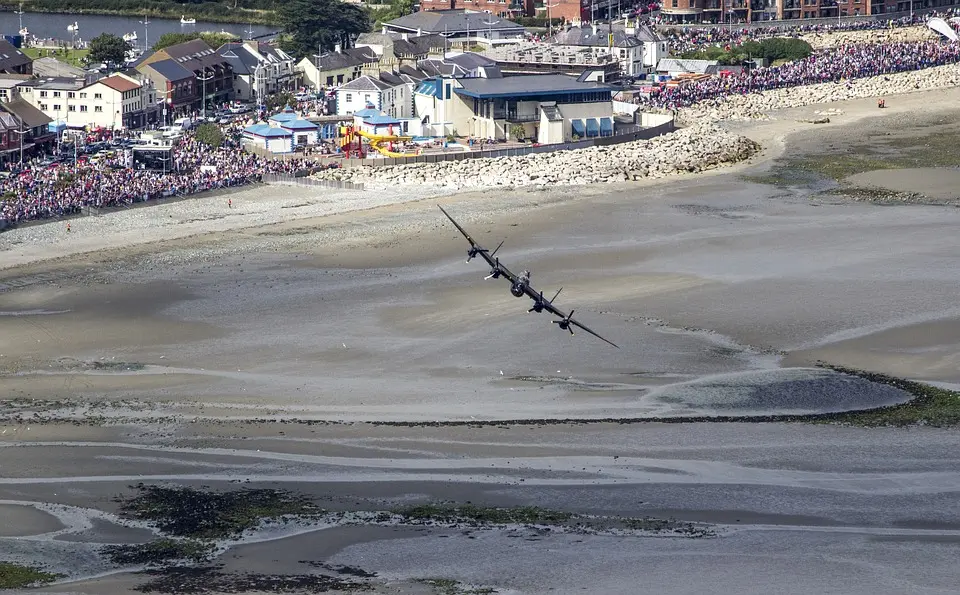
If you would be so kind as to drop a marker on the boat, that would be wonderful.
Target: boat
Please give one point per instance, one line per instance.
(185, 21)
(23, 30)
(130, 37)
(73, 28)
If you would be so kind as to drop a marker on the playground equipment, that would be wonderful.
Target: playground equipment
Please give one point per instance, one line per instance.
(380, 142)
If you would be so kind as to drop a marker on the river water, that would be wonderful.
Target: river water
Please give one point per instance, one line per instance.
(44, 26)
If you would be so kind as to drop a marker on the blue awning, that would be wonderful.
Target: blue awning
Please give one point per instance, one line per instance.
(593, 127)
(606, 126)
(578, 128)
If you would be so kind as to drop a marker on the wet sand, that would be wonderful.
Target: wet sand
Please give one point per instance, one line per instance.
(185, 358)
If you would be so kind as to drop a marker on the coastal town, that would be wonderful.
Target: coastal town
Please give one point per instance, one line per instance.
(482, 100)
(479, 297)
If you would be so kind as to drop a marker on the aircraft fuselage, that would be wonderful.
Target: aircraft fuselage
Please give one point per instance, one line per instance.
(518, 288)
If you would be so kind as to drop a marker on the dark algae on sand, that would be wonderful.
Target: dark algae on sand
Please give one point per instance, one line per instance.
(17, 576)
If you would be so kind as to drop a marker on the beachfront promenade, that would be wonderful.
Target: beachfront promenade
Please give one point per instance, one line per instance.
(834, 74)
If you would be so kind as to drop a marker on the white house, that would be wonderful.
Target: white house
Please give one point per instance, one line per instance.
(635, 46)
(117, 101)
(269, 138)
(304, 132)
(259, 69)
(332, 69)
(548, 108)
(389, 92)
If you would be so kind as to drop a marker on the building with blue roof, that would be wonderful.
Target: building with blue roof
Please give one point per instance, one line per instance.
(545, 108)
(286, 115)
(273, 139)
(304, 132)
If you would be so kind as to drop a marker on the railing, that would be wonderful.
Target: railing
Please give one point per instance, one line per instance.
(623, 134)
(295, 180)
(801, 22)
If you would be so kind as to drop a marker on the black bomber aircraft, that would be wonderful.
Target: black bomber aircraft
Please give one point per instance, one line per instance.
(520, 284)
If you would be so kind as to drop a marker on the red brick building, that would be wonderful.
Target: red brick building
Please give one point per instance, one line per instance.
(745, 11)
(501, 8)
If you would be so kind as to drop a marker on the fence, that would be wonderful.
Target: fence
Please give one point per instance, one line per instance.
(624, 134)
(303, 180)
(785, 23)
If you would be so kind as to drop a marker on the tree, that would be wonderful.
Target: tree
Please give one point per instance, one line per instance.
(108, 48)
(209, 134)
(311, 25)
(214, 40)
(169, 39)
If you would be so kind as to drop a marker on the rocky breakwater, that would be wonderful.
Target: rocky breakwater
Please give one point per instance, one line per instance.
(755, 106)
(689, 150)
(823, 40)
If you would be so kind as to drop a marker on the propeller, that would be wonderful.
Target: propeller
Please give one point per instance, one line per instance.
(565, 323)
(495, 272)
(476, 250)
(539, 304)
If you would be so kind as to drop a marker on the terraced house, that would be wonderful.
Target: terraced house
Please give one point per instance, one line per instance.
(212, 73)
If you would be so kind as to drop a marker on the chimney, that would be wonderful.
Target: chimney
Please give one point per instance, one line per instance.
(338, 48)
(404, 36)
(419, 32)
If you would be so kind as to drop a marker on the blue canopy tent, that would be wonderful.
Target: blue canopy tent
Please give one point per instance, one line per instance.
(593, 127)
(578, 129)
(606, 127)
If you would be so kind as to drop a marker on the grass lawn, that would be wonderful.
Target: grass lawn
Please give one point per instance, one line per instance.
(70, 56)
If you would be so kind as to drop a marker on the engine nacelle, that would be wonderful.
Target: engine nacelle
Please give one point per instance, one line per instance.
(517, 290)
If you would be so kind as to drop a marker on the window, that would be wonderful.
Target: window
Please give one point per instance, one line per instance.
(71, 108)
(43, 107)
(83, 108)
(98, 95)
(329, 81)
(56, 93)
(71, 95)
(97, 108)
(83, 95)
(56, 107)
(43, 93)
(348, 97)
(674, 3)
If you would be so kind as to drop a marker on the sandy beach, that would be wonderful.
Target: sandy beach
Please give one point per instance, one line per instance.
(176, 344)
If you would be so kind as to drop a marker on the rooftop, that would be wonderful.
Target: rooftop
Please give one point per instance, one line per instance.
(539, 84)
(119, 83)
(452, 21)
(169, 70)
(32, 117)
(266, 131)
(588, 36)
(365, 83)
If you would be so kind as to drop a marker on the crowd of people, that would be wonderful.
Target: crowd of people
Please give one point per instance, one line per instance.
(688, 39)
(65, 188)
(842, 63)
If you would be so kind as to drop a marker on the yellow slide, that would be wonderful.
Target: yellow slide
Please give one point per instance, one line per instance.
(380, 142)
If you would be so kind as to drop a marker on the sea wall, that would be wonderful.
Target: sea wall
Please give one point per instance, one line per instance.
(823, 40)
(755, 106)
(696, 148)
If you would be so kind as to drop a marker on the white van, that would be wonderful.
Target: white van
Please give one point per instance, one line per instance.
(183, 123)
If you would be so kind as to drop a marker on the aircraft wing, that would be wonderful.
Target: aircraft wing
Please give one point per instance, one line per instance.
(584, 327)
(484, 254)
(558, 312)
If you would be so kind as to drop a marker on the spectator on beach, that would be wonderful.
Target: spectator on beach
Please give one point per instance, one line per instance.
(842, 63)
